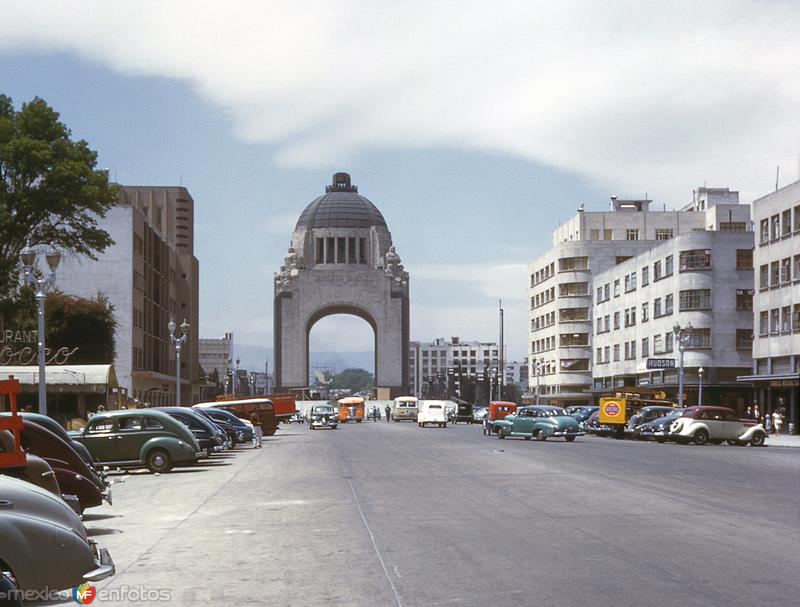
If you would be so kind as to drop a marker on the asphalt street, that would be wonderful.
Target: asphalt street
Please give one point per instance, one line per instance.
(390, 514)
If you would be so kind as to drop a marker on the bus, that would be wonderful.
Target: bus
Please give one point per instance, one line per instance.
(351, 409)
(405, 408)
(242, 408)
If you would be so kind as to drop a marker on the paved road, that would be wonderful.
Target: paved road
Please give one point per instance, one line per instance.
(391, 514)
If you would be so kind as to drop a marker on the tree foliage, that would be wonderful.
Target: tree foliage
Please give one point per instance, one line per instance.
(87, 324)
(353, 379)
(50, 191)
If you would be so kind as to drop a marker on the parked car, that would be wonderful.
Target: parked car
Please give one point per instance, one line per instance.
(463, 412)
(658, 428)
(539, 422)
(236, 428)
(643, 416)
(58, 430)
(323, 416)
(8, 584)
(432, 412)
(705, 424)
(479, 414)
(44, 544)
(201, 427)
(73, 474)
(582, 413)
(31, 469)
(592, 425)
(405, 408)
(135, 438)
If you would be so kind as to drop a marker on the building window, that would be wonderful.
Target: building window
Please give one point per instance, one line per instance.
(330, 249)
(574, 339)
(616, 353)
(607, 353)
(599, 294)
(763, 325)
(786, 270)
(786, 319)
(774, 321)
(645, 347)
(699, 338)
(616, 320)
(797, 218)
(657, 270)
(645, 276)
(697, 259)
(796, 319)
(572, 264)
(630, 316)
(786, 227)
(599, 326)
(774, 274)
(362, 250)
(608, 235)
(663, 233)
(775, 230)
(763, 277)
(657, 307)
(744, 339)
(658, 344)
(573, 314)
(351, 250)
(645, 311)
(631, 234)
(796, 267)
(744, 300)
(668, 304)
(616, 288)
(744, 259)
(695, 299)
(320, 252)
(764, 231)
(668, 266)
(607, 322)
(341, 250)
(606, 292)
(573, 289)
(569, 365)
(668, 341)
(733, 226)
(598, 359)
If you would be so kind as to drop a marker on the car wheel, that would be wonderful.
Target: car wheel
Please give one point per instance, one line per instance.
(159, 460)
(444, 425)
(501, 434)
(528, 437)
(757, 440)
(700, 437)
(569, 439)
(733, 442)
(541, 436)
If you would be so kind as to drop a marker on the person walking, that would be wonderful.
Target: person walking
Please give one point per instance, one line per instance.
(768, 422)
(258, 432)
(748, 413)
(388, 413)
(777, 421)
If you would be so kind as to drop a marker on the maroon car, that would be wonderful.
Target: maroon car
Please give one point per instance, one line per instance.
(74, 476)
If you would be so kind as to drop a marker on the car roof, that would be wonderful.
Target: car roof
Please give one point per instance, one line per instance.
(136, 412)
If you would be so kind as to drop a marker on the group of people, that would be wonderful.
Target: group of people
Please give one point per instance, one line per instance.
(772, 422)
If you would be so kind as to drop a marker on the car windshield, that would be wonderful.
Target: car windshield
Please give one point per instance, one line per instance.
(323, 410)
(552, 412)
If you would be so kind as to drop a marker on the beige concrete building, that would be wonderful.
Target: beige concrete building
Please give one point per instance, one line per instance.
(149, 275)
(439, 361)
(775, 375)
(563, 291)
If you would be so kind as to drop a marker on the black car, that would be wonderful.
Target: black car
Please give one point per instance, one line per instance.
(242, 433)
(202, 428)
(581, 414)
(58, 430)
(645, 415)
(323, 416)
(658, 428)
(463, 412)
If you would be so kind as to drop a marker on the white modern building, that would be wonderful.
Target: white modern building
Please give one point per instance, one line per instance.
(149, 274)
(440, 361)
(700, 282)
(215, 356)
(563, 291)
(775, 375)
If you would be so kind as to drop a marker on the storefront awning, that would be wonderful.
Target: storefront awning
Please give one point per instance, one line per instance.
(64, 375)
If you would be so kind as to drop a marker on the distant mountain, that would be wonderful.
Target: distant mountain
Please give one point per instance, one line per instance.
(253, 357)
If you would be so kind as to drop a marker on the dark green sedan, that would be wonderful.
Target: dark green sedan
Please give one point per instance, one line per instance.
(138, 438)
(540, 422)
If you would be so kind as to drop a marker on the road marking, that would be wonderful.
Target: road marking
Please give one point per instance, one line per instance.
(375, 545)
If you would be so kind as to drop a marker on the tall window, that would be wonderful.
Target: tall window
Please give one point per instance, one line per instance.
(657, 307)
(744, 339)
(764, 231)
(616, 288)
(786, 221)
(774, 274)
(744, 300)
(362, 250)
(786, 270)
(786, 319)
(320, 252)
(763, 325)
(668, 304)
(341, 250)
(668, 266)
(616, 320)
(645, 347)
(695, 299)
(775, 227)
(699, 338)
(763, 277)
(657, 270)
(645, 276)
(744, 259)
(697, 259)
(351, 250)
(775, 320)
(616, 353)
(645, 311)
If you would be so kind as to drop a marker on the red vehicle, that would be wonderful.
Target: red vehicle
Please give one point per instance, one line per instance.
(283, 404)
(498, 409)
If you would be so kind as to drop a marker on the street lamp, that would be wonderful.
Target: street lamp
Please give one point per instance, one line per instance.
(41, 285)
(700, 387)
(682, 336)
(178, 342)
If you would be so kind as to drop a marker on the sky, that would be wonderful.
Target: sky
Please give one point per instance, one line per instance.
(474, 127)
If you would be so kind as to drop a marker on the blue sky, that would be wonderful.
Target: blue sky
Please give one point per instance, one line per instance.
(474, 145)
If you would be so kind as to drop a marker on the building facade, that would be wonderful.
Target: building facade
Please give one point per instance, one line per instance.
(775, 374)
(440, 361)
(562, 289)
(215, 356)
(149, 274)
(702, 280)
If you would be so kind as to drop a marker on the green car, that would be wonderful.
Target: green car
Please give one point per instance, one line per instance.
(541, 423)
(135, 438)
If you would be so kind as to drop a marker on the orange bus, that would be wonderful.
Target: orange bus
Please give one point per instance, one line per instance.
(351, 409)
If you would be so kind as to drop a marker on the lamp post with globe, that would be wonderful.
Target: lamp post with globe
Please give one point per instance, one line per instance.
(178, 342)
(683, 337)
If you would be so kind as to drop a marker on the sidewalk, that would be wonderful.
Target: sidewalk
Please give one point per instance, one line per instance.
(784, 440)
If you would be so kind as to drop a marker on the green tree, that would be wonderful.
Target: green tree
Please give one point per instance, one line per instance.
(87, 324)
(50, 191)
(353, 379)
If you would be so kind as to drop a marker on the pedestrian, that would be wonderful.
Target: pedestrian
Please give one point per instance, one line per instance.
(768, 422)
(376, 413)
(748, 414)
(388, 413)
(777, 421)
(255, 419)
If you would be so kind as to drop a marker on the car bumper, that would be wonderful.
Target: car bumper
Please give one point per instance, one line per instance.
(563, 433)
(654, 433)
(105, 567)
(200, 454)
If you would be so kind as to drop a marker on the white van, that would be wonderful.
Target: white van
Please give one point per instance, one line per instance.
(432, 412)
(404, 407)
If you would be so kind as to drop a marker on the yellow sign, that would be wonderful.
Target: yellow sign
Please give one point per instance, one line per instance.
(612, 411)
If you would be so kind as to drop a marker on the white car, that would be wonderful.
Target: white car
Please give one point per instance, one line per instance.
(702, 425)
(432, 412)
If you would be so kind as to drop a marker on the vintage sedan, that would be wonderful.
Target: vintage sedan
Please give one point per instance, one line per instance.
(539, 422)
(702, 425)
(323, 416)
(138, 438)
(658, 428)
(44, 544)
(201, 427)
(643, 416)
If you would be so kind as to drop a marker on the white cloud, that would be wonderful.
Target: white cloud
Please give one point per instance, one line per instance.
(500, 280)
(650, 97)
